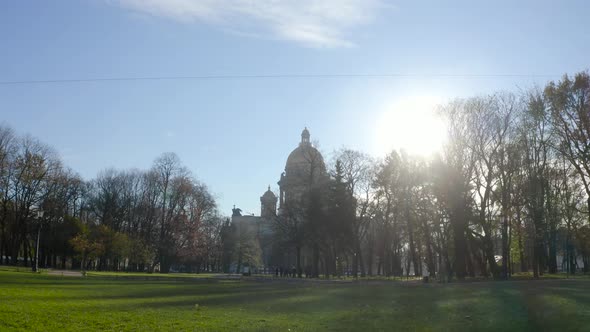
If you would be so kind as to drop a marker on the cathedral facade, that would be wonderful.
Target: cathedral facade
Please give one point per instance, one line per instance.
(304, 170)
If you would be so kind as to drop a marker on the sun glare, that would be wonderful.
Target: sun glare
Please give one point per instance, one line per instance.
(411, 124)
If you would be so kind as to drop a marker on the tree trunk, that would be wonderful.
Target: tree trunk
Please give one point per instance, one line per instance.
(359, 255)
(489, 255)
(523, 264)
(553, 249)
(239, 265)
(370, 258)
(316, 261)
(470, 260)
(536, 255)
(430, 262)
(552, 259)
(459, 225)
(505, 240)
(354, 265)
(299, 271)
(510, 264)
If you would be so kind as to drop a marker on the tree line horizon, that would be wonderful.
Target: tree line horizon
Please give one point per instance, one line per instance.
(509, 192)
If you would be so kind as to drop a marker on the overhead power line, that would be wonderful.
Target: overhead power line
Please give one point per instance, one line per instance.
(270, 76)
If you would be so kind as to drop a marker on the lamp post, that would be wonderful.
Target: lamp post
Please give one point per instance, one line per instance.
(38, 217)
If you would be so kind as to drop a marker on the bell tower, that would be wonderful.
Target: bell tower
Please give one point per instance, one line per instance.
(268, 204)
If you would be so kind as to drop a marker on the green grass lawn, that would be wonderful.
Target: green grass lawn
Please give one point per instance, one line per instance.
(44, 303)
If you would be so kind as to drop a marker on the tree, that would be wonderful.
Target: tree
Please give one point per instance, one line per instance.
(7, 153)
(386, 187)
(246, 249)
(170, 183)
(569, 103)
(338, 228)
(536, 137)
(357, 170)
(583, 242)
(453, 182)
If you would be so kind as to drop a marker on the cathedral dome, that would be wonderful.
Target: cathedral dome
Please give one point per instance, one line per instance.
(303, 158)
(269, 196)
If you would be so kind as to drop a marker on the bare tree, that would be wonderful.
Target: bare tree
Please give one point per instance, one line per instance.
(7, 154)
(166, 168)
(569, 104)
(358, 170)
(536, 138)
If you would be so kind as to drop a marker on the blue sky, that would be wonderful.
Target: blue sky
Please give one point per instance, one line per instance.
(235, 134)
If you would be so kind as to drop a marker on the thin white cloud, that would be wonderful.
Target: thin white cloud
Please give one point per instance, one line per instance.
(317, 23)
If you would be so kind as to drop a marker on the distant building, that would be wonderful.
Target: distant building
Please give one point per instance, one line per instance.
(304, 169)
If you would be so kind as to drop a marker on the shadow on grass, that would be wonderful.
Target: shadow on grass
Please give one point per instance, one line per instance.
(561, 306)
(535, 305)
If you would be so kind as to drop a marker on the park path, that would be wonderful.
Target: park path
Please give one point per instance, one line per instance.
(64, 273)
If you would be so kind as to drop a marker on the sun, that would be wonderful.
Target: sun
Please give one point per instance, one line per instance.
(410, 124)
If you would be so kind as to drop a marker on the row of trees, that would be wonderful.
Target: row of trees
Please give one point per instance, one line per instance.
(510, 192)
(131, 219)
(163, 216)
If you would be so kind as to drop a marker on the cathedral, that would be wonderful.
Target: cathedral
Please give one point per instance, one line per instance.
(304, 170)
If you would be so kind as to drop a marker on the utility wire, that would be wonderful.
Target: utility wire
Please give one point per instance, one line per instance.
(270, 76)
